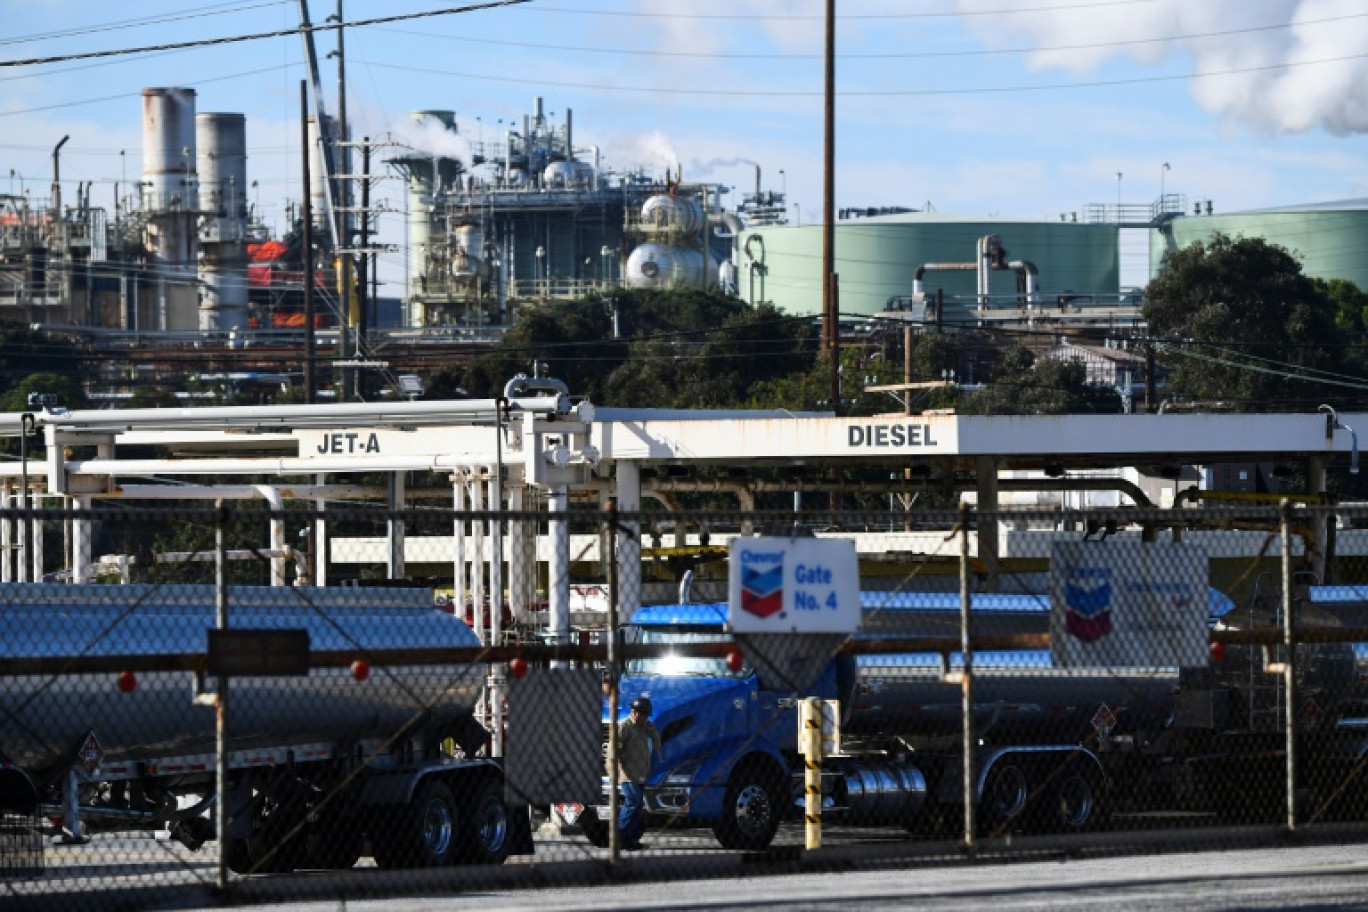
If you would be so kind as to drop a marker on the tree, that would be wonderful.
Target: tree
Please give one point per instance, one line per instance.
(675, 349)
(1237, 321)
(65, 389)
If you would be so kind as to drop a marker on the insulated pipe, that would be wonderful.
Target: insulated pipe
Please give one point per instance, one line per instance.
(394, 527)
(498, 681)
(1027, 280)
(477, 564)
(521, 566)
(8, 544)
(80, 543)
(558, 571)
(496, 584)
(521, 385)
(924, 268)
(333, 415)
(260, 466)
(628, 568)
(458, 569)
(320, 537)
(276, 502)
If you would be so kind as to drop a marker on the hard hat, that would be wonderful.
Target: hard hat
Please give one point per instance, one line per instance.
(642, 705)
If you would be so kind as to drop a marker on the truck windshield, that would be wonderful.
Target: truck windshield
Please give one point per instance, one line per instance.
(684, 665)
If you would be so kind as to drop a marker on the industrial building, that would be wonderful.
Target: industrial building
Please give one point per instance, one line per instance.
(534, 217)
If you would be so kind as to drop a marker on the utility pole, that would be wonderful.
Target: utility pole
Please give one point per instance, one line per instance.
(309, 355)
(831, 340)
(361, 260)
(347, 279)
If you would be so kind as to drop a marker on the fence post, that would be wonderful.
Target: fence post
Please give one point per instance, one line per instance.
(221, 703)
(1289, 665)
(966, 682)
(614, 800)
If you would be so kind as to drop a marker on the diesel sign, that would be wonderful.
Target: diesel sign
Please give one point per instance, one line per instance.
(891, 435)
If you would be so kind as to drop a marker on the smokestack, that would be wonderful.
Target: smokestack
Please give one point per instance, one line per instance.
(57, 176)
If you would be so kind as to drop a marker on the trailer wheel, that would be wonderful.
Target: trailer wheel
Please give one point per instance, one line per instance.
(1006, 793)
(1078, 799)
(595, 830)
(422, 833)
(751, 809)
(484, 826)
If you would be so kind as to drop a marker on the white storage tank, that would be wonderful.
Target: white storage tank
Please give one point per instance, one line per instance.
(559, 174)
(661, 266)
(677, 214)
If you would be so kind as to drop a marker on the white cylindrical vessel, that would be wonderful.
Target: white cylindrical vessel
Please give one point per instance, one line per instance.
(171, 203)
(467, 249)
(221, 140)
(674, 214)
(559, 174)
(662, 266)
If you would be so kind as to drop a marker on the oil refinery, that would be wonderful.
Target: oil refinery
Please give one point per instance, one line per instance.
(535, 216)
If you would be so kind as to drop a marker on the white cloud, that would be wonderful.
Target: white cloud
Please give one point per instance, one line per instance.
(1276, 66)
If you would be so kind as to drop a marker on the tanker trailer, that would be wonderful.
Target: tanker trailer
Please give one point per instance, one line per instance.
(321, 767)
(729, 757)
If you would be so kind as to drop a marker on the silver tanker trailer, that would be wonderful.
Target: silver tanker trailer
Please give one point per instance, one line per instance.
(321, 767)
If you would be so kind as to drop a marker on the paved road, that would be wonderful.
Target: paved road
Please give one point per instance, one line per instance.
(1291, 878)
(861, 878)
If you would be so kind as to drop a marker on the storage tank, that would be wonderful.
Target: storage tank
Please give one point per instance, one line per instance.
(171, 204)
(221, 140)
(675, 214)
(662, 266)
(560, 174)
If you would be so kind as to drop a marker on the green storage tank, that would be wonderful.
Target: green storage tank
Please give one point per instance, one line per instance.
(1328, 238)
(877, 257)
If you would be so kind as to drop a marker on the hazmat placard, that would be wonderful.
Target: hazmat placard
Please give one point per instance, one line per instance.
(793, 585)
(1128, 604)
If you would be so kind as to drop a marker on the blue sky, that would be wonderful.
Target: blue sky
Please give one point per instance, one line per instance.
(1024, 108)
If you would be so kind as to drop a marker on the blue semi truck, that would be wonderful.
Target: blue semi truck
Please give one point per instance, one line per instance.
(1059, 749)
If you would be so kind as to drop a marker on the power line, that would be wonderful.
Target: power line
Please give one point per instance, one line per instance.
(1010, 11)
(282, 33)
(876, 93)
(911, 55)
(203, 13)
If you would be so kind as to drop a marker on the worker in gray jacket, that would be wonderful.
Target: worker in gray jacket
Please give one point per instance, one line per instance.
(638, 743)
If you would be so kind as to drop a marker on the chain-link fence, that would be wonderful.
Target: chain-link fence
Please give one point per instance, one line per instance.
(435, 699)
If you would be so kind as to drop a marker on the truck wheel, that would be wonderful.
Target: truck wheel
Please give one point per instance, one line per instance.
(422, 833)
(751, 809)
(1006, 793)
(1077, 801)
(237, 856)
(595, 830)
(484, 826)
